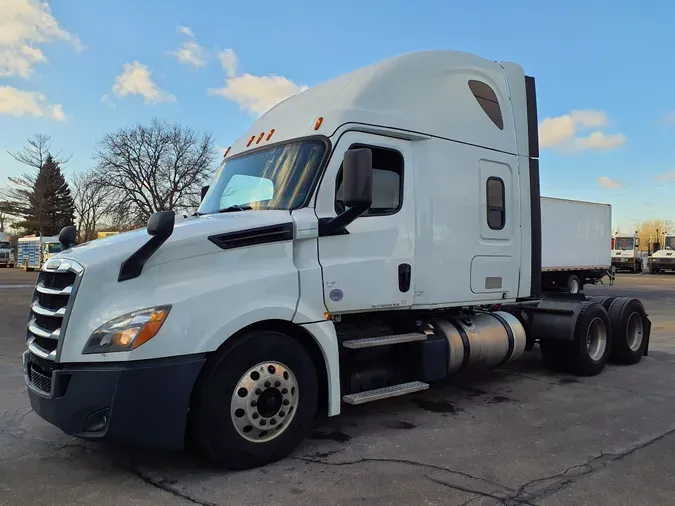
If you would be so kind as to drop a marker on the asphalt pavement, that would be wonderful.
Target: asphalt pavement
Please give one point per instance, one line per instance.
(516, 435)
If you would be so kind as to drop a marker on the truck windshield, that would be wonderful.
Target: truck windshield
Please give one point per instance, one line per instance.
(54, 247)
(4, 245)
(624, 243)
(276, 178)
(669, 242)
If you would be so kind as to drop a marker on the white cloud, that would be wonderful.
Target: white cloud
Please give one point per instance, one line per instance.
(669, 118)
(18, 103)
(229, 61)
(107, 100)
(189, 52)
(606, 182)
(136, 79)
(561, 132)
(186, 31)
(257, 94)
(668, 176)
(599, 140)
(24, 25)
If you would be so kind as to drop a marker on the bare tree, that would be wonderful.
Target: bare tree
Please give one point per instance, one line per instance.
(4, 218)
(653, 230)
(155, 167)
(92, 202)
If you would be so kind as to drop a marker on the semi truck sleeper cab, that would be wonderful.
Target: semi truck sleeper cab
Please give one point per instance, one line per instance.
(365, 238)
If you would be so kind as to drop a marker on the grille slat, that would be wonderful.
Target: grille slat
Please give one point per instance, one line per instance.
(56, 285)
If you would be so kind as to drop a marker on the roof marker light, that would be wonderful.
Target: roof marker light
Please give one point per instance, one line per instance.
(250, 141)
(317, 125)
(260, 137)
(227, 151)
(269, 135)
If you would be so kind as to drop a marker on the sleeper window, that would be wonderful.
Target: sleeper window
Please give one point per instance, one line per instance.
(495, 196)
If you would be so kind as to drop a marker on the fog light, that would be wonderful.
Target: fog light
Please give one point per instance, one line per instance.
(97, 421)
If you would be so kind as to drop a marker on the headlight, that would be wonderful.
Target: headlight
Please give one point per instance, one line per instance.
(127, 332)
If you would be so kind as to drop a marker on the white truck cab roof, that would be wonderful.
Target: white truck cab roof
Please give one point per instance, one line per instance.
(403, 93)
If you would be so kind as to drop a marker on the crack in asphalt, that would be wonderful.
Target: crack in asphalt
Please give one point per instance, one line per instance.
(161, 484)
(561, 480)
(461, 474)
(580, 386)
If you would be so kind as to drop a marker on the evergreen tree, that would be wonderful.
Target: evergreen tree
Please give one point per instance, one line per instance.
(40, 199)
(49, 206)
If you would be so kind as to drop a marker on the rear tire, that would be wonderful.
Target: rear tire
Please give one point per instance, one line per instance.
(604, 300)
(255, 401)
(629, 330)
(592, 340)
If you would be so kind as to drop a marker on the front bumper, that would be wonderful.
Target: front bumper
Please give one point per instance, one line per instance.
(141, 403)
(662, 263)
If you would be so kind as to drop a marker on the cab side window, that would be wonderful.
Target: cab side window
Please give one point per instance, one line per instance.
(387, 182)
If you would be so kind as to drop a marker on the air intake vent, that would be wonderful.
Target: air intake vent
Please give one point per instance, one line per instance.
(254, 236)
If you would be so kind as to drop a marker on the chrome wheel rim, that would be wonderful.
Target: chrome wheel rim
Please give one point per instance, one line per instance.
(264, 402)
(574, 286)
(596, 339)
(634, 331)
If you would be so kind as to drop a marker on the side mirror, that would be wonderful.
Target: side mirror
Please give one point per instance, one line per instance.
(357, 178)
(67, 237)
(161, 224)
(205, 190)
(637, 243)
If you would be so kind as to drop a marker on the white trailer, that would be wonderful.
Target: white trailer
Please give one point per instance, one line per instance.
(576, 242)
(365, 238)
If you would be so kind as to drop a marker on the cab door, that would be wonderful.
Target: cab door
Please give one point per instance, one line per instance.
(370, 265)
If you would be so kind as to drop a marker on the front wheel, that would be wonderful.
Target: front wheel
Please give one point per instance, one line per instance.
(256, 401)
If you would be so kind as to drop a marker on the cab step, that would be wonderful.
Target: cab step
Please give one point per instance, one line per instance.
(369, 342)
(385, 393)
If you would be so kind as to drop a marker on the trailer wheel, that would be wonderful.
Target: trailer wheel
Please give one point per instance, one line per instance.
(573, 284)
(255, 402)
(604, 300)
(627, 318)
(592, 340)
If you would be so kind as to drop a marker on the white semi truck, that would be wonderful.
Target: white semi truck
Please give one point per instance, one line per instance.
(6, 253)
(575, 244)
(664, 258)
(626, 254)
(365, 238)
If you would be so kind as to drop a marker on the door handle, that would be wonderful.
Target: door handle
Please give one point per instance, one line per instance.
(404, 275)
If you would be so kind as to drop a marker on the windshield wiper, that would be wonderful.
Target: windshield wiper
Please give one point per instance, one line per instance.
(237, 207)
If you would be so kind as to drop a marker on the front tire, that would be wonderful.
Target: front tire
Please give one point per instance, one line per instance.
(255, 401)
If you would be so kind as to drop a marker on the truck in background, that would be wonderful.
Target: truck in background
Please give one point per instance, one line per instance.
(6, 251)
(365, 238)
(33, 251)
(664, 258)
(575, 244)
(626, 254)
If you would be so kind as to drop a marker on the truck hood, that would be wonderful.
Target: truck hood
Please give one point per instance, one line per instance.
(664, 253)
(189, 238)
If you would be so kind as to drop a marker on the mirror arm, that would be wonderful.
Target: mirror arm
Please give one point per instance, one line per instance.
(338, 224)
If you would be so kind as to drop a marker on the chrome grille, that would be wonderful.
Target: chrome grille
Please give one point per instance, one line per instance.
(52, 301)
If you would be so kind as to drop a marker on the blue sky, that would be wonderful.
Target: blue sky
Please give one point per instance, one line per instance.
(603, 69)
